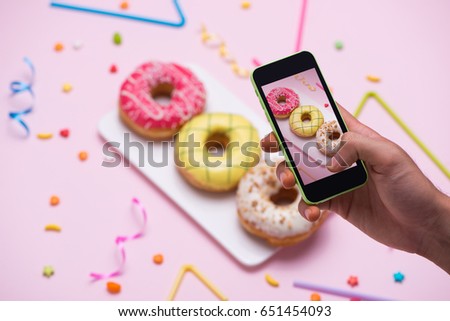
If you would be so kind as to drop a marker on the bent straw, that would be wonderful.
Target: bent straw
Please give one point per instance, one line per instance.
(337, 292)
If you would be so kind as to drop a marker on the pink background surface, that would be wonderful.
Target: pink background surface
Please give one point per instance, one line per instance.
(400, 41)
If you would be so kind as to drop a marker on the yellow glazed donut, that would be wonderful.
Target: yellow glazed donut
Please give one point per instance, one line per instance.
(269, 211)
(328, 138)
(305, 121)
(213, 151)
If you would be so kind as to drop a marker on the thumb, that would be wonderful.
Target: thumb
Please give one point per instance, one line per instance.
(379, 153)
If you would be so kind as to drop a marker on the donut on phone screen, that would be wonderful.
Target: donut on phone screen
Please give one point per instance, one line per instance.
(328, 138)
(282, 101)
(305, 121)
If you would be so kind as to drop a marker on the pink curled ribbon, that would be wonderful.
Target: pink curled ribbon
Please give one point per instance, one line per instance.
(120, 242)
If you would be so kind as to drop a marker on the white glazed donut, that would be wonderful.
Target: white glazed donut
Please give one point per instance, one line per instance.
(328, 138)
(259, 198)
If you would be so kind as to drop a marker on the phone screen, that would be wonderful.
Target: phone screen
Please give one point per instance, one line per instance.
(307, 122)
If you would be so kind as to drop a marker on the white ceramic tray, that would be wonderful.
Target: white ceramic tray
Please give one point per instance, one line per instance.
(216, 213)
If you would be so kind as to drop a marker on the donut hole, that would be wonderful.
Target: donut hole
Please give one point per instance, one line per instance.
(162, 93)
(217, 143)
(284, 197)
(281, 100)
(306, 118)
(334, 135)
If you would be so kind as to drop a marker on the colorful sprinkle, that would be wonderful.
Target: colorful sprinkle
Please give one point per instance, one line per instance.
(339, 45)
(315, 297)
(158, 259)
(83, 155)
(53, 228)
(256, 62)
(44, 135)
(326, 105)
(117, 38)
(124, 5)
(271, 281)
(399, 277)
(245, 4)
(59, 47)
(67, 88)
(77, 45)
(113, 69)
(373, 78)
(64, 133)
(54, 200)
(48, 271)
(353, 281)
(113, 287)
(214, 41)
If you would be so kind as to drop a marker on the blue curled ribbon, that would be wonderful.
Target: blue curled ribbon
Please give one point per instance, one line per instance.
(18, 87)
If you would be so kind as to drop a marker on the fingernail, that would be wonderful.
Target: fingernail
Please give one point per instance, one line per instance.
(307, 213)
(282, 177)
(333, 163)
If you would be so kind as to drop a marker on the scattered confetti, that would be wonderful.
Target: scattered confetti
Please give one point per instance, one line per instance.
(54, 200)
(44, 135)
(67, 88)
(121, 240)
(64, 133)
(124, 5)
(53, 228)
(190, 268)
(373, 78)
(48, 271)
(214, 41)
(339, 45)
(399, 277)
(18, 87)
(77, 45)
(83, 156)
(271, 281)
(315, 297)
(352, 281)
(158, 259)
(326, 105)
(245, 4)
(113, 287)
(113, 69)
(117, 38)
(59, 47)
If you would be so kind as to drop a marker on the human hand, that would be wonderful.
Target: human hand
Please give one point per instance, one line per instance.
(398, 206)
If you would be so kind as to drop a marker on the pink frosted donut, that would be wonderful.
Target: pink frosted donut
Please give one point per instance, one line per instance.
(141, 112)
(282, 101)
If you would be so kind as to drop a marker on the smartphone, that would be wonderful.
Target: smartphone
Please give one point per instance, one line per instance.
(307, 123)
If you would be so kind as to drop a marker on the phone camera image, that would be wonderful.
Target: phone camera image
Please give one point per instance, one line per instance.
(307, 122)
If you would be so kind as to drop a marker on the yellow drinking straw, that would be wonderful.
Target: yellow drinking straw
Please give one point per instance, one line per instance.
(400, 122)
(190, 268)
